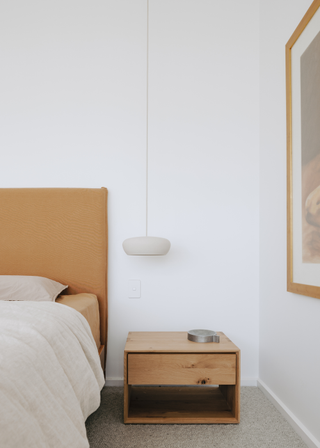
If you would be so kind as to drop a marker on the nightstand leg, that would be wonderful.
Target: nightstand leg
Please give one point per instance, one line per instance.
(126, 390)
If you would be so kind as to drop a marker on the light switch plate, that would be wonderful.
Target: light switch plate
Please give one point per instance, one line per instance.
(134, 289)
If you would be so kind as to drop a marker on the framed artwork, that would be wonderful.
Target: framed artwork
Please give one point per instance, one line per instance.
(303, 155)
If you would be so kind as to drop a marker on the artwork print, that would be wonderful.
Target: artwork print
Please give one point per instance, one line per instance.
(303, 155)
(310, 151)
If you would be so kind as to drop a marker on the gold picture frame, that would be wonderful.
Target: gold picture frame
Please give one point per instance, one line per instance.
(303, 157)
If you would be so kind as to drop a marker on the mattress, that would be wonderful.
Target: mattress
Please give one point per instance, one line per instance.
(88, 306)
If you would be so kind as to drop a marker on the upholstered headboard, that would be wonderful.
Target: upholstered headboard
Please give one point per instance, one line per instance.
(59, 233)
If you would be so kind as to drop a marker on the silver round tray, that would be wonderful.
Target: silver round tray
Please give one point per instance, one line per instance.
(203, 336)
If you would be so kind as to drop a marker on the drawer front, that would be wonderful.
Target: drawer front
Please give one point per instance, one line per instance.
(181, 369)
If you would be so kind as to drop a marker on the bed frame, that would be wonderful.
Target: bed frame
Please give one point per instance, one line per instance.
(58, 233)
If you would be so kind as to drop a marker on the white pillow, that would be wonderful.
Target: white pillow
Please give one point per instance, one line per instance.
(25, 287)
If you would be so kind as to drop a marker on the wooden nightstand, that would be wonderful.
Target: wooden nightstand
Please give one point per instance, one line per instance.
(169, 379)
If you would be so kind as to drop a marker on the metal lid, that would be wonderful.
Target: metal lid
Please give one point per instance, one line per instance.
(203, 336)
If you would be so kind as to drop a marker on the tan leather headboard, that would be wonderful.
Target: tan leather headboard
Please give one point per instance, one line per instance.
(59, 233)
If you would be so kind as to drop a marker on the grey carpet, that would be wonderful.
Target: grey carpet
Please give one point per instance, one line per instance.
(261, 426)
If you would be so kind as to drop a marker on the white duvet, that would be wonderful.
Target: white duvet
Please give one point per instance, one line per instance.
(50, 375)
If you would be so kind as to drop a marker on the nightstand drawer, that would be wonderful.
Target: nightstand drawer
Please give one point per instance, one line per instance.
(181, 369)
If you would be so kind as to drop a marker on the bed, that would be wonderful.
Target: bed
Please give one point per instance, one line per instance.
(51, 375)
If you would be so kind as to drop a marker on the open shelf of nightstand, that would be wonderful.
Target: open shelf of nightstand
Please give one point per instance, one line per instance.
(179, 404)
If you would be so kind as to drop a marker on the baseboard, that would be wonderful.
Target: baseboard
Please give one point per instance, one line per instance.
(114, 382)
(119, 382)
(249, 382)
(299, 427)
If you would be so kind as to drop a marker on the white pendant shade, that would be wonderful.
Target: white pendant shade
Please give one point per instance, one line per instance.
(146, 246)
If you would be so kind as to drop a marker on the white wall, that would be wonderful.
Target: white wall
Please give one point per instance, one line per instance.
(72, 114)
(289, 323)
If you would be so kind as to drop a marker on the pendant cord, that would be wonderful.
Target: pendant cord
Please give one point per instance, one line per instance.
(147, 116)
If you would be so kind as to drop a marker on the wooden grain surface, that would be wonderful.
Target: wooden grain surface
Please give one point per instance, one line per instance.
(175, 342)
(182, 369)
(170, 358)
(179, 405)
(126, 394)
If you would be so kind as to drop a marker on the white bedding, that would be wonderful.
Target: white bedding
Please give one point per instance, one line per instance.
(50, 375)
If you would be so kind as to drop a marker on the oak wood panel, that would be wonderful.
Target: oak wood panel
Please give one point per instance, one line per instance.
(126, 398)
(229, 394)
(179, 405)
(232, 393)
(237, 388)
(175, 341)
(182, 369)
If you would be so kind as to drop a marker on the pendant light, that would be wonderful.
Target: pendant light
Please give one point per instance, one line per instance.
(146, 245)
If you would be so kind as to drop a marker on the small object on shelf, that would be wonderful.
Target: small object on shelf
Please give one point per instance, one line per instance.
(203, 336)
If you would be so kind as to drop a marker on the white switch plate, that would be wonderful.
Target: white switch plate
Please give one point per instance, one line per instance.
(134, 288)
